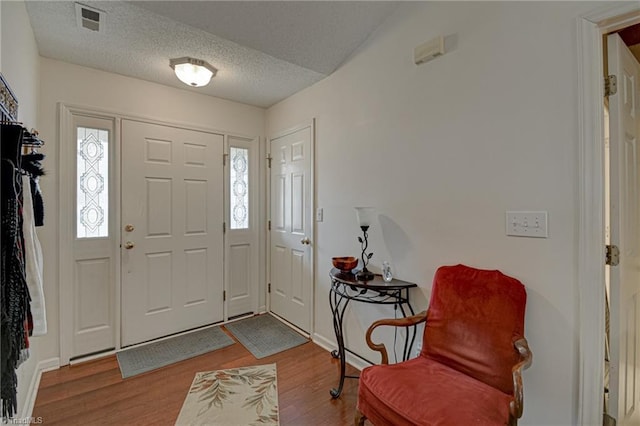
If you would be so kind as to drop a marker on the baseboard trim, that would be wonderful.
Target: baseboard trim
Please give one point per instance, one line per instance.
(42, 367)
(329, 345)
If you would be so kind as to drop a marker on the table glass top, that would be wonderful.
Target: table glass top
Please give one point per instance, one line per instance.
(377, 282)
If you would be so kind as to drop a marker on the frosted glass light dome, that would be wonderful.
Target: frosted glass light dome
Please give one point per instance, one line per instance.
(365, 215)
(193, 72)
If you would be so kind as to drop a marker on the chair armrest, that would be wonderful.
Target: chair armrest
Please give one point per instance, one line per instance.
(395, 322)
(526, 357)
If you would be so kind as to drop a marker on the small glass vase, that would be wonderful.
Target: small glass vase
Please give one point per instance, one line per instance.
(387, 275)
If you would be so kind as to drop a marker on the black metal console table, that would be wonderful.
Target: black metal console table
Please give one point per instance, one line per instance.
(345, 288)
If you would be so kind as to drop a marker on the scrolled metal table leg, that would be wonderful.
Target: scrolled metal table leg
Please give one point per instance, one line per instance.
(338, 314)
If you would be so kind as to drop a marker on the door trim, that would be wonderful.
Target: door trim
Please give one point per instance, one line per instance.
(314, 253)
(591, 203)
(65, 225)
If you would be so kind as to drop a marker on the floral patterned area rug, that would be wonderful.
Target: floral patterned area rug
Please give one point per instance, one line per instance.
(245, 396)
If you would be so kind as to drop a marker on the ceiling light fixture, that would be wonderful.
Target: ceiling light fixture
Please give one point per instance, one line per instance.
(191, 71)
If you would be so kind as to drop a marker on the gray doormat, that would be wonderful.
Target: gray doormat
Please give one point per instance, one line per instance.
(164, 352)
(264, 335)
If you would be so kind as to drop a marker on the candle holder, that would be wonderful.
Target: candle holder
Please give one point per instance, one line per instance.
(365, 215)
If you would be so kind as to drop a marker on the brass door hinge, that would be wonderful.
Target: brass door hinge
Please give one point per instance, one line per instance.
(610, 85)
(224, 296)
(269, 288)
(269, 226)
(612, 255)
(269, 158)
(224, 159)
(224, 227)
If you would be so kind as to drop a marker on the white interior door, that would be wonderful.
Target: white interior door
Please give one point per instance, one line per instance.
(242, 236)
(172, 236)
(291, 253)
(624, 386)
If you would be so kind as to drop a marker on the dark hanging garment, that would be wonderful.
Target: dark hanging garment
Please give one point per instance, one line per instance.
(38, 203)
(32, 164)
(14, 294)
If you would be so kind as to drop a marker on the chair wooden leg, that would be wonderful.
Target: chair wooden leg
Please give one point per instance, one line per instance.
(359, 418)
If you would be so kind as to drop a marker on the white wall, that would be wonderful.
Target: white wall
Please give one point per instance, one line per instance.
(80, 86)
(20, 63)
(443, 150)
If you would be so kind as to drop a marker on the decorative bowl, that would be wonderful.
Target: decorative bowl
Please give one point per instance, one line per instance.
(345, 263)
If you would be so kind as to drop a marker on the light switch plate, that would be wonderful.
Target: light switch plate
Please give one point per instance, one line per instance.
(319, 214)
(527, 224)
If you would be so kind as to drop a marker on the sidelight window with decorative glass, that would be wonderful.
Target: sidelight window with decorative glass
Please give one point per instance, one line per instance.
(92, 180)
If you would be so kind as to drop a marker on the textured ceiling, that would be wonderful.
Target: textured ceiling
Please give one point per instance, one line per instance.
(264, 51)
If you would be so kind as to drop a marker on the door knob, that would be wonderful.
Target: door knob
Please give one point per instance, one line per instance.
(129, 245)
(305, 241)
(129, 228)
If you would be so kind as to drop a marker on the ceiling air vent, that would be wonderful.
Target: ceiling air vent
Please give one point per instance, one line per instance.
(89, 17)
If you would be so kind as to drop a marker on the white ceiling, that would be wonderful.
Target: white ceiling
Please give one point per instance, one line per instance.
(264, 51)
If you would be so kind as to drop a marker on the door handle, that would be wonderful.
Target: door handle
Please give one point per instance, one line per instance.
(129, 245)
(129, 228)
(305, 241)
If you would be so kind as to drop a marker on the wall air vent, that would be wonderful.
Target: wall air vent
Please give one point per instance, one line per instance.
(90, 18)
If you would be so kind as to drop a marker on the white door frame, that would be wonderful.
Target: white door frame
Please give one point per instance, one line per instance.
(65, 223)
(591, 223)
(314, 238)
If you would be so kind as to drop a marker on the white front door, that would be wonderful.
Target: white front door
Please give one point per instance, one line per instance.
(291, 234)
(242, 236)
(172, 230)
(624, 386)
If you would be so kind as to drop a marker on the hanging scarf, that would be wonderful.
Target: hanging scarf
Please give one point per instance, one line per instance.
(32, 164)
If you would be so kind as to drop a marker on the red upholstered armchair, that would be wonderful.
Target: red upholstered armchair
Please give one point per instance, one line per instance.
(473, 354)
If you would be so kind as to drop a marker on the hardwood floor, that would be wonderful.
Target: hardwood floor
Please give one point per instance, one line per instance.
(94, 393)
